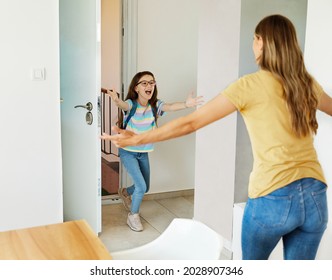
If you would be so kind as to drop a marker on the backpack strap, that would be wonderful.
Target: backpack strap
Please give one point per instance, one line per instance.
(154, 111)
(131, 113)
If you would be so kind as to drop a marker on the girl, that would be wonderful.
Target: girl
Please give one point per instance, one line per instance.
(142, 108)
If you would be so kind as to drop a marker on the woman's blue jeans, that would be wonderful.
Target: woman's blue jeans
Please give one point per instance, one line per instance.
(138, 167)
(297, 213)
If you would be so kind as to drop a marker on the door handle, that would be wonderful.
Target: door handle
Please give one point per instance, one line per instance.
(88, 106)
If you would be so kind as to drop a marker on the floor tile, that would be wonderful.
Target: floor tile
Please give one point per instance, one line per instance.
(156, 215)
(116, 235)
(179, 206)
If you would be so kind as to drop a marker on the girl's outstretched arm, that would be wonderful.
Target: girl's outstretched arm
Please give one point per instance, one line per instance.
(190, 102)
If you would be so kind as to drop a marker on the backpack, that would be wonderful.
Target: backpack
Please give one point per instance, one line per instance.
(132, 112)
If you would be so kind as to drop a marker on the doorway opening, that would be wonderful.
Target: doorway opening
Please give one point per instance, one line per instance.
(111, 78)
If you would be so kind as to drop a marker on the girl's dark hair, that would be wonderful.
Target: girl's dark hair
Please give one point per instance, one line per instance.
(282, 56)
(132, 94)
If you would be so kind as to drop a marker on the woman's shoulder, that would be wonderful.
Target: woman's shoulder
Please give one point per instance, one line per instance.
(257, 78)
(247, 80)
(252, 83)
(258, 75)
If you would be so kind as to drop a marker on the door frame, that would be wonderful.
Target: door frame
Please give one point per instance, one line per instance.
(129, 58)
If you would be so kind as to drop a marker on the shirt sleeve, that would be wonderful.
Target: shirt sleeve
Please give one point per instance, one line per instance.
(160, 105)
(234, 93)
(130, 104)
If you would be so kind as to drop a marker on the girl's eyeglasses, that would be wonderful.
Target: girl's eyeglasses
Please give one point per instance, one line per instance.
(146, 83)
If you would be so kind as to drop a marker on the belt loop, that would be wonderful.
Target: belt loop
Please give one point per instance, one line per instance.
(300, 185)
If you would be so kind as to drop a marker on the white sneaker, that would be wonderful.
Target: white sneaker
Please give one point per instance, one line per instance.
(126, 200)
(134, 222)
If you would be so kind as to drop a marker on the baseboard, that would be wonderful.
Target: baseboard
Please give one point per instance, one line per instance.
(152, 196)
(114, 198)
(110, 199)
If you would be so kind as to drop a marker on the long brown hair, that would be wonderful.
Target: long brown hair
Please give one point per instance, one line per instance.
(282, 56)
(132, 94)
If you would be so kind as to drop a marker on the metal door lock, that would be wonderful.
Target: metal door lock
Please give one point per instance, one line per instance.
(88, 106)
(89, 118)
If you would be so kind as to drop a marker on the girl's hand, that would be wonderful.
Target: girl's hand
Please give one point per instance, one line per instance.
(117, 100)
(192, 101)
(114, 95)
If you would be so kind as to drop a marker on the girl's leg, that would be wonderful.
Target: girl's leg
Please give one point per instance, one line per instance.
(143, 179)
(131, 162)
(144, 164)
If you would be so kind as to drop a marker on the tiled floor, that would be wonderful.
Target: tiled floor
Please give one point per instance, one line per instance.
(155, 214)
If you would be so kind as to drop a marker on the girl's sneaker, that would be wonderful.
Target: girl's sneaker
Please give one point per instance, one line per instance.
(134, 222)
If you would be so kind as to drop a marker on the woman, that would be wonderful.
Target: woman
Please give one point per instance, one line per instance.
(142, 108)
(287, 189)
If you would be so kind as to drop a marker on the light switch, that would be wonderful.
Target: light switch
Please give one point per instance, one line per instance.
(38, 74)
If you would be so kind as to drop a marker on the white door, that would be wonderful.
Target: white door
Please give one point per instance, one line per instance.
(80, 85)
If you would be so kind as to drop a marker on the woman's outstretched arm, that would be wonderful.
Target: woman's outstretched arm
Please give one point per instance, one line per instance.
(212, 111)
(325, 104)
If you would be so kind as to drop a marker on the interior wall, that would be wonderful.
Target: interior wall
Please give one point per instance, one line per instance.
(111, 33)
(318, 59)
(167, 46)
(30, 143)
(296, 11)
(218, 66)
(111, 60)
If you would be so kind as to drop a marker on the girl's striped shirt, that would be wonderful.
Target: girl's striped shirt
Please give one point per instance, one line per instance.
(142, 121)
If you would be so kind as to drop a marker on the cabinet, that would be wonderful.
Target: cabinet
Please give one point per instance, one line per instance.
(110, 177)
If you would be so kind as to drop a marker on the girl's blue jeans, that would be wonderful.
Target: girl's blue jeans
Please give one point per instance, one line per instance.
(297, 213)
(138, 167)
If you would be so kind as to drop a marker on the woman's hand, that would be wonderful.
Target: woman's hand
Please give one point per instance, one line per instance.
(123, 138)
(192, 101)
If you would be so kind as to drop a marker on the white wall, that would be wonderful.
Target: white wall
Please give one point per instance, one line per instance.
(30, 144)
(167, 46)
(318, 59)
(111, 32)
(296, 11)
(218, 66)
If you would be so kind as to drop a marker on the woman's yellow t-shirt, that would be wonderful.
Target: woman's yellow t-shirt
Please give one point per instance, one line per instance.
(280, 157)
